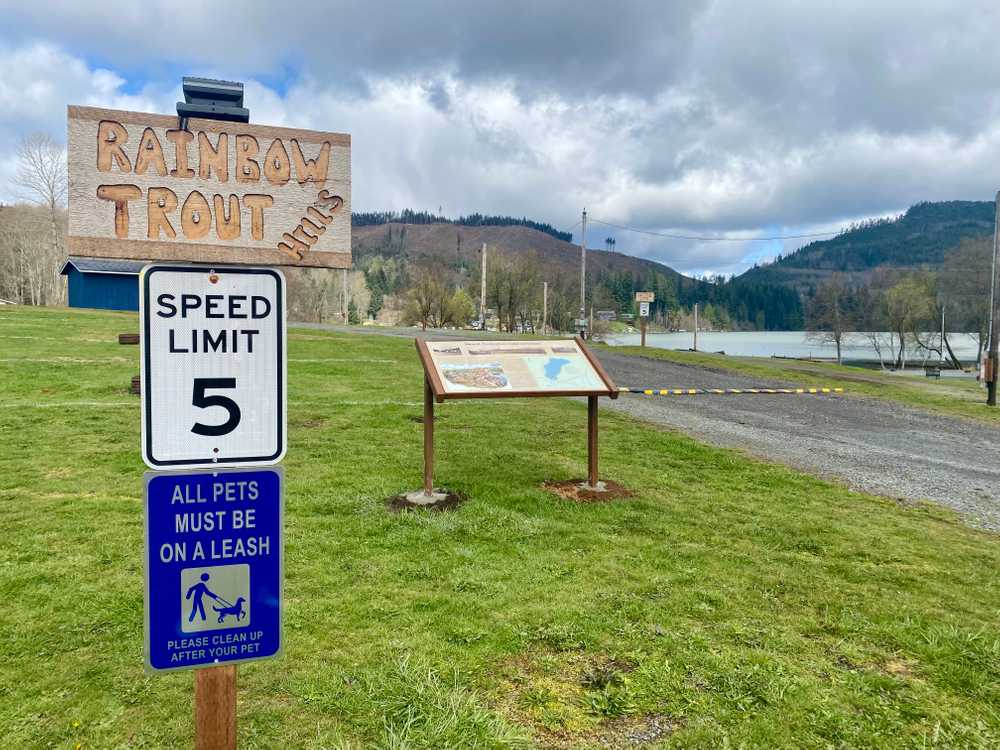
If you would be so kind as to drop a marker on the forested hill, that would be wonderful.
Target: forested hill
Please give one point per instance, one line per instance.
(409, 216)
(917, 239)
(392, 253)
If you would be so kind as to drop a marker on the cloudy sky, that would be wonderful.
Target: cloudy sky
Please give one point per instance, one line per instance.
(720, 118)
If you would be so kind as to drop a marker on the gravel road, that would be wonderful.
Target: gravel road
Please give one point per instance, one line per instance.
(871, 445)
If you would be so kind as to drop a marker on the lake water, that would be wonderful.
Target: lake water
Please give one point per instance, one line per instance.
(785, 344)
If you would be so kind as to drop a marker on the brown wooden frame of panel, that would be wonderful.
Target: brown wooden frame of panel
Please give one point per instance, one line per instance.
(434, 391)
(440, 395)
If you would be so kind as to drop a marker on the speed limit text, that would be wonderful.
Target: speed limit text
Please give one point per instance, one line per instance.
(212, 306)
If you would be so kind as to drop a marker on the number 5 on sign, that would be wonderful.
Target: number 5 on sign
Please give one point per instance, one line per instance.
(201, 400)
(213, 366)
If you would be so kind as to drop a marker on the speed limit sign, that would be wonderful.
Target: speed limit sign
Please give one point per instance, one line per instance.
(213, 366)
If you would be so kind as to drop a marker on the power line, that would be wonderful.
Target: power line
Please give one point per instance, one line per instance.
(703, 238)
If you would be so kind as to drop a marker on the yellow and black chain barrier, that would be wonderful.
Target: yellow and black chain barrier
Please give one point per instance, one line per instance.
(726, 391)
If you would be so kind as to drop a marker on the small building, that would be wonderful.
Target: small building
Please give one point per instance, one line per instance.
(103, 283)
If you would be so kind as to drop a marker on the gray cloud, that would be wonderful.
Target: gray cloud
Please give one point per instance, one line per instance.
(604, 47)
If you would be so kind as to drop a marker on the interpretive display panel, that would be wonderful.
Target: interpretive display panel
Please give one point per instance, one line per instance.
(468, 369)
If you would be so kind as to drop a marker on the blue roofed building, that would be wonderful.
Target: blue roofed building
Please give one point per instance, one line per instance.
(103, 283)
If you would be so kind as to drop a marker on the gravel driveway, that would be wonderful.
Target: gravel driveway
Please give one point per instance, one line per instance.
(877, 446)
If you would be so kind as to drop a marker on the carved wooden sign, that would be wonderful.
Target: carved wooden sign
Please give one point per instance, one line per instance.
(215, 192)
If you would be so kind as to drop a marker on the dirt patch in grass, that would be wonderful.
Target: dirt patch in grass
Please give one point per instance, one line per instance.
(900, 668)
(579, 491)
(400, 503)
(636, 731)
(615, 734)
(564, 699)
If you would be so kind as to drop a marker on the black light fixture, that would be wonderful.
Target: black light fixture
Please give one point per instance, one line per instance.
(212, 100)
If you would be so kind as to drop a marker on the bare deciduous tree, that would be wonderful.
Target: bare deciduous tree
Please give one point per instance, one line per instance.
(909, 306)
(30, 262)
(964, 291)
(514, 290)
(29, 266)
(830, 318)
(41, 171)
(429, 301)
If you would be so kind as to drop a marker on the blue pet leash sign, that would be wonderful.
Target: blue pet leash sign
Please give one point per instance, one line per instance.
(213, 567)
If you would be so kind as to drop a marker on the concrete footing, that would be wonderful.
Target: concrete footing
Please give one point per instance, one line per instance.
(420, 497)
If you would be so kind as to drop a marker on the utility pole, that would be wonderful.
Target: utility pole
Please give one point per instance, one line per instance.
(993, 360)
(696, 326)
(941, 353)
(583, 272)
(482, 293)
(545, 307)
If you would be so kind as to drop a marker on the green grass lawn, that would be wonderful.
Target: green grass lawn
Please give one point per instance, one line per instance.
(956, 398)
(730, 603)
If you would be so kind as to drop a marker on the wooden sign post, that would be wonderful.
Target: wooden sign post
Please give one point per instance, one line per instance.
(511, 369)
(215, 708)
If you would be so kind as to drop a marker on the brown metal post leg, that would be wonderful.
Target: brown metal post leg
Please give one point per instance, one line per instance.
(428, 438)
(215, 708)
(991, 383)
(592, 440)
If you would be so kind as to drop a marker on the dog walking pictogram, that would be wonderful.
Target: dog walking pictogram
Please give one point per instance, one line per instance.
(227, 590)
(196, 593)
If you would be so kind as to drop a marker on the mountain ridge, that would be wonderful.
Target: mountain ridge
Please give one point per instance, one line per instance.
(917, 239)
(460, 242)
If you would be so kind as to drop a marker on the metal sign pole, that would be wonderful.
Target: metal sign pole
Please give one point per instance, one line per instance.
(215, 708)
(993, 357)
(545, 307)
(644, 299)
(695, 326)
(428, 438)
(592, 441)
(482, 293)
